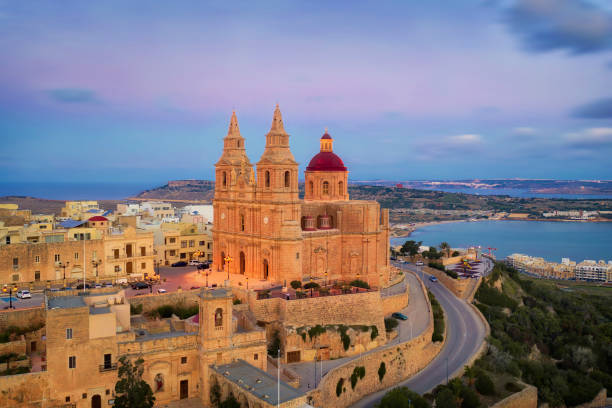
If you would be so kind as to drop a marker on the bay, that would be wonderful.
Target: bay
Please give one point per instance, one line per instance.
(547, 239)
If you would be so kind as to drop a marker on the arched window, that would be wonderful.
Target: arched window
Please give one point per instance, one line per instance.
(267, 179)
(219, 317)
(340, 188)
(241, 222)
(224, 179)
(311, 188)
(287, 179)
(242, 263)
(325, 187)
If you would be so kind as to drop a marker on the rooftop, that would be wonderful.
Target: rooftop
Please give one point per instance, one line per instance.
(257, 382)
(65, 302)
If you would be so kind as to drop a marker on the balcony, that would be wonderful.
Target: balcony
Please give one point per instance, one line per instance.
(124, 257)
(108, 367)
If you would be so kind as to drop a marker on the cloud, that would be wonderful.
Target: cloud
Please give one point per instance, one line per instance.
(449, 146)
(524, 131)
(599, 109)
(572, 25)
(592, 138)
(73, 95)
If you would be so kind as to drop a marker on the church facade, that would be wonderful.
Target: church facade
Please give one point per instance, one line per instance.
(264, 230)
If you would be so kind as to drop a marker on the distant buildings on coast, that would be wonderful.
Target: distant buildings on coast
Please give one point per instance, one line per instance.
(587, 270)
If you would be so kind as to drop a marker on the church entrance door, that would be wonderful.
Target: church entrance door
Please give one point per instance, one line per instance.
(265, 269)
(242, 263)
(96, 401)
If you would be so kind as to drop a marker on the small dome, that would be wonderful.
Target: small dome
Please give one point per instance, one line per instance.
(98, 218)
(326, 136)
(326, 161)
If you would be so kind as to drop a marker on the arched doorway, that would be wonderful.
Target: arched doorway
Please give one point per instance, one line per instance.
(242, 263)
(96, 401)
(266, 270)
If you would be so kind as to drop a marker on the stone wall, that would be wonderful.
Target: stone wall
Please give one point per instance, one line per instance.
(401, 361)
(600, 400)
(527, 398)
(25, 390)
(153, 301)
(22, 317)
(17, 346)
(396, 302)
(459, 287)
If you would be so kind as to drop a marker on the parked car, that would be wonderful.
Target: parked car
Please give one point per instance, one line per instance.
(179, 263)
(433, 279)
(195, 287)
(419, 263)
(97, 286)
(161, 290)
(108, 285)
(55, 289)
(195, 262)
(80, 286)
(24, 294)
(139, 285)
(204, 266)
(399, 316)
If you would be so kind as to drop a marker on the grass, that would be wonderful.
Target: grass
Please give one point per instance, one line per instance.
(578, 286)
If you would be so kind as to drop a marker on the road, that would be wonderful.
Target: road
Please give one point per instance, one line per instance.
(465, 332)
(418, 319)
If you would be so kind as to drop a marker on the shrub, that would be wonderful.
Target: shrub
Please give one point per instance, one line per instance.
(275, 344)
(316, 331)
(470, 398)
(360, 371)
(445, 399)
(484, 384)
(436, 265)
(296, 284)
(455, 253)
(135, 309)
(346, 340)
(358, 283)
(339, 386)
(165, 311)
(438, 313)
(390, 324)
(237, 301)
(512, 387)
(402, 397)
(452, 274)
(374, 333)
(353, 380)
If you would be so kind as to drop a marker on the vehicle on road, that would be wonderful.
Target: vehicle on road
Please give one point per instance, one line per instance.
(204, 266)
(139, 285)
(419, 263)
(108, 285)
(399, 316)
(97, 286)
(433, 279)
(194, 262)
(179, 263)
(24, 294)
(80, 286)
(161, 290)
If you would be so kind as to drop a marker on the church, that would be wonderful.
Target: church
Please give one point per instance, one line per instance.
(264, 230)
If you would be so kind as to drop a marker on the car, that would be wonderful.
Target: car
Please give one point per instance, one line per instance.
(55, 289)
(393, 258)
(179, 263)
(419, 263)
(97, 286)
(108, 285)
(161, 290)
(433, 279)
(399, 316)
(195, 287)
(80, 286)
(203, 266)
(24, 294)
(139, 285)
(194, 262)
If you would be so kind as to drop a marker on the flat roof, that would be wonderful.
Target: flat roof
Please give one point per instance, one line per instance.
(66, 302)
(216, 292)
(99, 310)
(257, 382)
(164, 335)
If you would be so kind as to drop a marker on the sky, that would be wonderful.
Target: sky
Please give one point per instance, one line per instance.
(142, 91)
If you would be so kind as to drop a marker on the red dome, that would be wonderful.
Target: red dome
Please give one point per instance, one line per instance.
(326, 136)
(98, 218)
(326, 161)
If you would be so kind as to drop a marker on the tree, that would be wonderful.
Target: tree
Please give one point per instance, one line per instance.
(444, 246)
(131, 390)
(470, 374)
(402, 397)
(230, 402)
(446, 399)
(484, 384)
(411, 248)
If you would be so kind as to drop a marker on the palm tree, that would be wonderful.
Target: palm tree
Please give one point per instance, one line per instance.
(444, 246)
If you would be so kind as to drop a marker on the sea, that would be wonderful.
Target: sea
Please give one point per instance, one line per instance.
(547, 239)
(519, 193)
(76, 191)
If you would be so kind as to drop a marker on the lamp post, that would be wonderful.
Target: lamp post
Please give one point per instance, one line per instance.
(228, 260)
(64, 265)
(247, 280)
(325, 278)
(95, 265)
(10, 292)
(311, 286)
(207, 279)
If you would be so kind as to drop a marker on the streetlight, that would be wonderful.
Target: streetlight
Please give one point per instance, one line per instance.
(228, 259)
(311, 296)
(95, 265)
(325, 278)
(10, 291)
(247, 280)
(64, 265)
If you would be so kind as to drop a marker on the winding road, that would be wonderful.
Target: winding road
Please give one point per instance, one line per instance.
(465, 333)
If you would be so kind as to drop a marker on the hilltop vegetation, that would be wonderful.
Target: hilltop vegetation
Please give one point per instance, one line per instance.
(558, 341)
